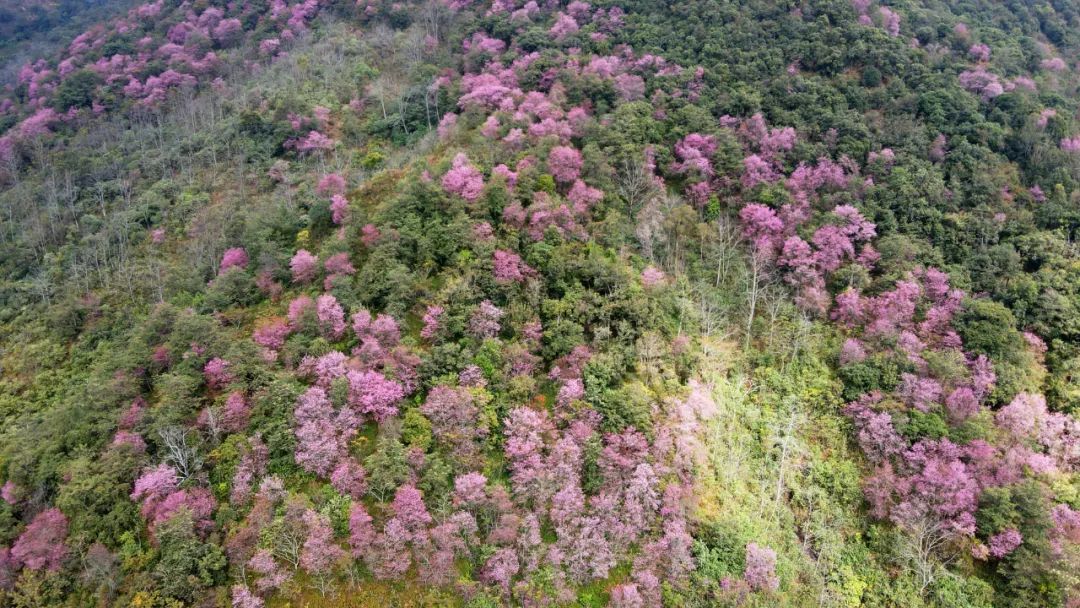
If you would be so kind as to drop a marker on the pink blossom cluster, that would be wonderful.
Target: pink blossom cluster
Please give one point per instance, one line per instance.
(934, 485)
(1070, 144)
(694, 153)
(1044, 117)
(484, 322)
(378, 336)
(545, 213)
(158, 491)
(1053, 64)
(985, 84)
(236, 257)
(217, 372)
(432, 322)
(304, 266)
(806, 264)
(463, 179)
(337, 266)
(565, 163)
(890, 20)
(509, 268)
(652, 276)
(43, 544)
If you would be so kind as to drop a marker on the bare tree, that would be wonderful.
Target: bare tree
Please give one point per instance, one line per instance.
(926, 546)
(434, 14)
(775, 304)
(286, 541)
(634, 184)
(213, 424)
(412, 48)
(757, 279)
(713, 313)
(178, 452)
(680, 224)
(99, 570)
(379, 87)
(381, 40)
(724, 245)
(649, 228)
(650, 348)
(787, 443)
(800, 336)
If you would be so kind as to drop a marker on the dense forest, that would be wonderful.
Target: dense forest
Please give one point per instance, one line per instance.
(490, 303)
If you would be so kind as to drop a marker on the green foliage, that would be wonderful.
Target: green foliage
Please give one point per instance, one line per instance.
(386, 467)
(86, 300)
(336, 508)
(988, 327)
(962, 592)
(875, 374)
(76, 91)
(436, 483)
(918, 425)
(96, 496)
(187, 565)
(720, 552)
(416, 430)
(233, 288)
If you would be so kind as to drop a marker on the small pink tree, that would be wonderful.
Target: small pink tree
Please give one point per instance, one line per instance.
(252, 464)
(388, 556)
(762, 226)
(233, 258)
(304, 266)
(236, 414)
(331, 316)
(484, 322)
(349, 478)
(301, 309)
(652, 276)
(217, 373)
(361, 531)
(320, 445)
(9, 492)
(42, 544)
(271, 575)
(469, 489)
(432, 317)
(331, 184)
(509, 268)
(695, 153)
(454, 418)
(565, 25)
(564, 163)
(242, 597)
(1005, 542)
(339, 209)
(370, 235)
(271, 335)
(320, 553)
(979, 52)
(337, 265)
(760, 571)
(890, 21)
(757, 170)
(373, 394)
(463, 179)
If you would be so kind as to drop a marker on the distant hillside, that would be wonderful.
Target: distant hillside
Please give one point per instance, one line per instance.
(34, 29)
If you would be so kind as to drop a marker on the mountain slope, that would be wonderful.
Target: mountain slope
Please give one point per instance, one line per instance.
(722, 303)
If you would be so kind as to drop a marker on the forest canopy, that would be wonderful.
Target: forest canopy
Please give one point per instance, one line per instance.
(470, 303)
